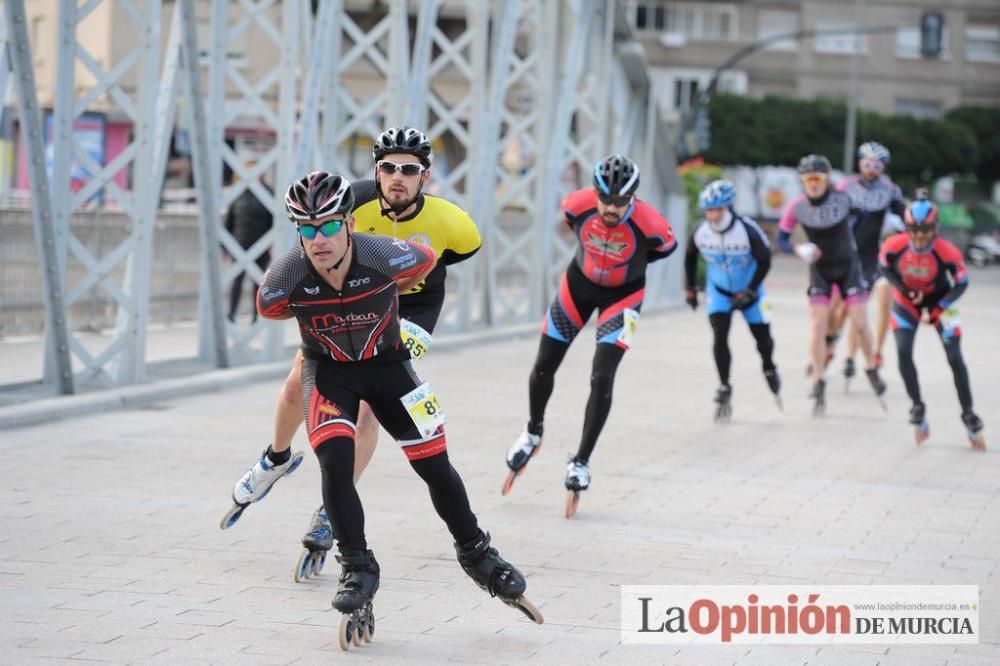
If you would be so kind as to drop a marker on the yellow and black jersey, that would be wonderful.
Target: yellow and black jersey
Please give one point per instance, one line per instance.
(436, 222)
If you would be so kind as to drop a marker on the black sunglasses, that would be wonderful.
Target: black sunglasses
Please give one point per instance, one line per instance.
(408, 169)
(618, 200)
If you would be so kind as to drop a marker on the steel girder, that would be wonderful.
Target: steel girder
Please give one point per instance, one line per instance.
(15, 56)
(122, 360)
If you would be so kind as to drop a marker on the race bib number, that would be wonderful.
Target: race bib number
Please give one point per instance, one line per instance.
(630, 322)
(416, 340)
(949, 319)
(766, 309)
(424, 410)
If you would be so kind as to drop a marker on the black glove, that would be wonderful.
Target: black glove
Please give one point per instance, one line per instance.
(692, 299)
(744, 299)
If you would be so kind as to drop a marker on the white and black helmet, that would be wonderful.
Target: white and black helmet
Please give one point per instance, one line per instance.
(616, 175)
(318, 195)
(406, 140)
(875, 151)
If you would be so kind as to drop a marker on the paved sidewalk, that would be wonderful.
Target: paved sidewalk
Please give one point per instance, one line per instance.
(110, 550)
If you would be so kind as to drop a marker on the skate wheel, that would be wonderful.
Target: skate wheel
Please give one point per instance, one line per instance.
(356, 635)
(319, 566)
(572, 500)
(369, 627)
(232, 516)
(303, 568)
(508, 482)
(345, 631)
(528, 609)
(978, 442)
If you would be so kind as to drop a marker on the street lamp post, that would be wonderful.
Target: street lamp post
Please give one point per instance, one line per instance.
(685, 143)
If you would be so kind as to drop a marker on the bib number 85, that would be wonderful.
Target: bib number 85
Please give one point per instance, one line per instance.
(416, 340)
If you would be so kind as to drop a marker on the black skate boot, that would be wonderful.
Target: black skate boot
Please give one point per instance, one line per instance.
(918, 419)
(974, 428)
(849, 372)
(520, 454)
(774, 383)
(317, 542)
(723, 408)
(358, 584)
(819, 398)
(878, 386)
(492, 573)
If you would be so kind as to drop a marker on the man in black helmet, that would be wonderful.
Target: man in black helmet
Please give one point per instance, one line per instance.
(619, 235)
(342, 288)
(391, 204)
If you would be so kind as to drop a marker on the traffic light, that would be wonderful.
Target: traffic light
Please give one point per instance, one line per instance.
(703, 129)
(931, 30)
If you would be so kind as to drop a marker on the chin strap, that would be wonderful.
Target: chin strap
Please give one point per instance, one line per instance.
(342, 257)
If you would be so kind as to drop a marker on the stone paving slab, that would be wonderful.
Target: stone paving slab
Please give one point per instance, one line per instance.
(110, 550)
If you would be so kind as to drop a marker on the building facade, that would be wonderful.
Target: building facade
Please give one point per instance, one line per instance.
(685, 41)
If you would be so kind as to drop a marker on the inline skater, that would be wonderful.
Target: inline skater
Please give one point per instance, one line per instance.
(928, 276)
(393, 204)
(738, 257)
(342, 287)
(618, 235)
(826, 216)
(873, 196)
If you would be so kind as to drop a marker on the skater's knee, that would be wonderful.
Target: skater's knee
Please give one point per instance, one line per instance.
(434, 470)
(954, 353)
(367, 423)
(291, 392)
(602, 381)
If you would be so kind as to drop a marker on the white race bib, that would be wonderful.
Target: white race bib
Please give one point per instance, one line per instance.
(424, 410)
(630, 322)
(416, 340)
(949, 319)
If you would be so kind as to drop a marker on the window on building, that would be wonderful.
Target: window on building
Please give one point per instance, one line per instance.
(908, 44)
(696, 21)
(839, 44)
(927, 109)
(982, 42)
(685, 92)
(772, 22)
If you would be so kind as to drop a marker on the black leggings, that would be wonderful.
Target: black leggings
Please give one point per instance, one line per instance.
(720, 322)
(602, 379)
(343, 505)
(952, 349)
(333, 392)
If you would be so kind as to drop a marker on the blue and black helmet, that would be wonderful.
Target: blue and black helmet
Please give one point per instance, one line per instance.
(921, 214)
(717, 194)
(616, 175)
